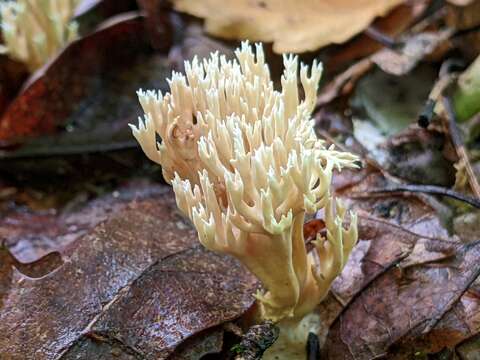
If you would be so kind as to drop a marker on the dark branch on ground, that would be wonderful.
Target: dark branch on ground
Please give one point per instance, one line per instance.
(429, 189)
(313, 347)
(256, 340)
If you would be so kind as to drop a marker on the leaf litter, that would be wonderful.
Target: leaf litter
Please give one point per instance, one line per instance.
(117, 272)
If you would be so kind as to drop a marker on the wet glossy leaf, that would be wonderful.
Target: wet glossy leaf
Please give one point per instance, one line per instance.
(31, 233)
(145, 262)
(85, 93)
(409, 285)
(405, 308)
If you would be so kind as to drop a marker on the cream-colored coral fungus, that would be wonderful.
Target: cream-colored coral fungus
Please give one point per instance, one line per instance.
(35, 30)
(246, 166)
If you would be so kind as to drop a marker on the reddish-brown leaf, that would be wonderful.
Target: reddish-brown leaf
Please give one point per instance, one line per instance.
(31, 233)
(408, 285)
(139, 283)
(404, 307)
(90, 85)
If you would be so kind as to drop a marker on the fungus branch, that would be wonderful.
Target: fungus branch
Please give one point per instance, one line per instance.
(246, 166)
(35, 30)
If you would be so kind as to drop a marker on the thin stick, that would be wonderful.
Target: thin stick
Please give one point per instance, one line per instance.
(428, 110)
(459, 146)
(313, 347)
(381, 37)
(429, 189)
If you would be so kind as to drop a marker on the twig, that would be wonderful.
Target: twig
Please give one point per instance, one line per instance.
(256, 340)
(438, 88)
(459, 146)
(331, 140)
(426, 115)
(313, 347)
(381, 37)
(429, 189)
(355, 71)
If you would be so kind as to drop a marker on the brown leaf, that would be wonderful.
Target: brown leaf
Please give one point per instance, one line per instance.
(414, 49)
(194, 289)
(403, 306)
(12, 75)
(382, 246)
(392, 25)
(30, 233)
(408, 285)
(90, 89)
(36, 269)
(159, 24)
(369, 258)
(207, 342)
(145, 262)
(296, 26)
(412, 212)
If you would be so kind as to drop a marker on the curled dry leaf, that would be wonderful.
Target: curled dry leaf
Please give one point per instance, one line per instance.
(390, 26)
(295, 26)
(138, 284)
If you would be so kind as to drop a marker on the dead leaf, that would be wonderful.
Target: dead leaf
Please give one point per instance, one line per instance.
(197, 346)
(466, 20)
(343, 83)
(295, 26)
(391, 25)
(139, 283)
(35, 269)
(408, 284)
(460, 2)
(401, 307)
(194, 289)
(12, 75)
(394, 61)
(369, 259)
(159, 23)
(85, 93)
(415, 48)
(417, 213)
(30, 234)
(382, 247)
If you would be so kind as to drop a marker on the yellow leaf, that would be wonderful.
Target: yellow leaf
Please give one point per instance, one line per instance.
(292, 25)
